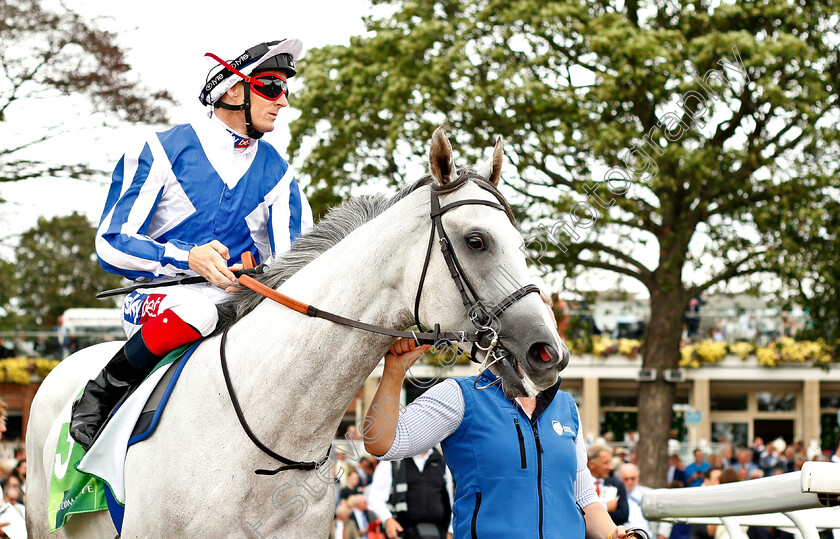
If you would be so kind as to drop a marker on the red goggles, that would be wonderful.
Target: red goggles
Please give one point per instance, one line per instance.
(270, 87)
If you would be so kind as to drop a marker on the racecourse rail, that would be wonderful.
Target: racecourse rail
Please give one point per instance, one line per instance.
(806, 501)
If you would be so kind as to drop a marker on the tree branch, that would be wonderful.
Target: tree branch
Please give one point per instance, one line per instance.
(624, 257)
(729, 273)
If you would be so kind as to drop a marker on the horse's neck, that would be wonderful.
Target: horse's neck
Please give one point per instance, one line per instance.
(301, 373)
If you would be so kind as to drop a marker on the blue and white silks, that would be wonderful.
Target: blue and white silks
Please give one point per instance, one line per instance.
(190, 185)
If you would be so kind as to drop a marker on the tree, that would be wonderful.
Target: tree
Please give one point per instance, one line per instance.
(809, 243)
(674, 125)
(56, 269)
(44, 54)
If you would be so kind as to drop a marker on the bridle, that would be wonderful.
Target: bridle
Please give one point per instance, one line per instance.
(485, 338)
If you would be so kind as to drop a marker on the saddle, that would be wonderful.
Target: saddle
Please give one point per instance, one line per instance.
(84, 482)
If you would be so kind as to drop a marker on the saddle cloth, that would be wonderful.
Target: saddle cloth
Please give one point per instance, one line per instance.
(94, 481)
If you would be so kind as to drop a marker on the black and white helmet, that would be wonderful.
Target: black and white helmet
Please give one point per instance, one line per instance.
(271, 56)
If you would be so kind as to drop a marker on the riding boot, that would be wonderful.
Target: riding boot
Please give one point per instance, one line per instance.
(127, 368)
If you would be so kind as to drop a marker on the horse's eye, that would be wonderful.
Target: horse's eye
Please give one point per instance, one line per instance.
(475, 241)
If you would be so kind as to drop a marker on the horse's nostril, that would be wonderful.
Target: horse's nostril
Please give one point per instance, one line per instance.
(542, 353)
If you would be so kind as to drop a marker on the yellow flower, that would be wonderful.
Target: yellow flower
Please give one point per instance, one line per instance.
(767, 356)
(600, 345)
(741, 349)
(629, 347)
(686, 352)
(710, 351)
(44, 366)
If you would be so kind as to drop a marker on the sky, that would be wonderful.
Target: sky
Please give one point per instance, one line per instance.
(165, 43)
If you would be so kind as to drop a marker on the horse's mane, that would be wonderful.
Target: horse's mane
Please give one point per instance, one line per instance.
(339, 222)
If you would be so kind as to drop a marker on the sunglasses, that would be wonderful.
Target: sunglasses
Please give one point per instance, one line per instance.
(271, 87)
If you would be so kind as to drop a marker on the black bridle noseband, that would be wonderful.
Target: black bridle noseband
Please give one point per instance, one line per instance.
(485, 338)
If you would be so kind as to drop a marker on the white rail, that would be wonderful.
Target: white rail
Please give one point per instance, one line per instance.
(785, 500)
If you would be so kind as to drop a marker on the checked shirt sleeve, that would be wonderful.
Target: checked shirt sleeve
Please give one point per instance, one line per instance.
(428, 420)
(122, 243)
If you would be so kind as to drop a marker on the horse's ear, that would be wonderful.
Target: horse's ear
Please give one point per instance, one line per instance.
(491, 170)
(441, 164)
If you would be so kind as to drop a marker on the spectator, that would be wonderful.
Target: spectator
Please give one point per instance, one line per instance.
(771, 456)
(745, 463)
(366, 467)
(727, 456)
(788, 459)
(3, 409)
(676, 471)
(694, 471)
(719, 532)
(758, 449)
(836, 456)
(4, 351)
(610, 491)
(13, 496)
(413, 497)
(340, 530)
(712, 477)
(342, 468)
(363, 518)
(692, 319)
(351, 486)
(629, 475)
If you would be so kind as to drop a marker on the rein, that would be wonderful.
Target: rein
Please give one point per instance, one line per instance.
(288, 464)
(309, 310)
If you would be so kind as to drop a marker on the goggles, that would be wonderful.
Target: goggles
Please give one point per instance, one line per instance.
(270, 87)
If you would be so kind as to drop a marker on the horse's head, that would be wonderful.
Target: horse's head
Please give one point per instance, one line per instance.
(487, 254)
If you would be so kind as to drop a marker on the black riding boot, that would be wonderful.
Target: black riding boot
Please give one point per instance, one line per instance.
(127, 368)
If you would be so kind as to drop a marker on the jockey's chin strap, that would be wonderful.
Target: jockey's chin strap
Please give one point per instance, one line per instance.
(288, 464)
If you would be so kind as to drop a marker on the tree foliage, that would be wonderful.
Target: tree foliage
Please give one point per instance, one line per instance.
(56, 269)
(45, 54)
(809, 248)
(577, 88)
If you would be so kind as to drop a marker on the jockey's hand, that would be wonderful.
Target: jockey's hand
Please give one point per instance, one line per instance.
(210, 261)
(403, 354)
(619, 533)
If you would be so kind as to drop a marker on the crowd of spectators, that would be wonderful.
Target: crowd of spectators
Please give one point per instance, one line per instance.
(618, 483)
(12, 480)
(729, 465)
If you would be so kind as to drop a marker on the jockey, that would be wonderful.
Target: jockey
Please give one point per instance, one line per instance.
(191, 201)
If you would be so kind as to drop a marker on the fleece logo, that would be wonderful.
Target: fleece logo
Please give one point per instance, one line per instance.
(138, 308)
(560, 429)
